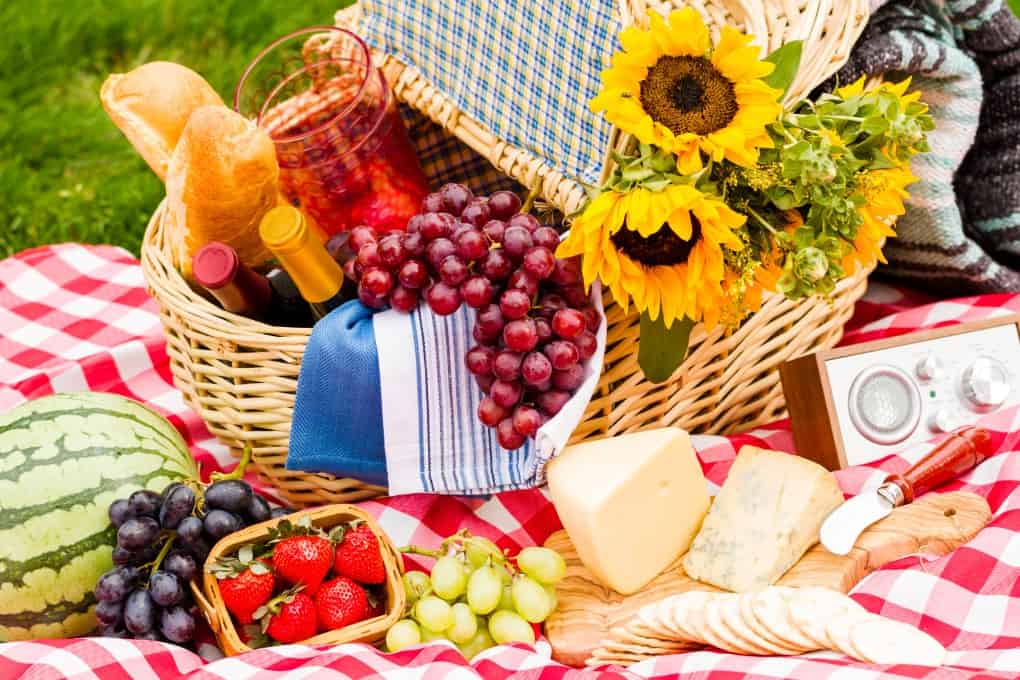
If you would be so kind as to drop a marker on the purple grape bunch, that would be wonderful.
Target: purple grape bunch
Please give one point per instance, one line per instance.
(534, 325)
(162, 542)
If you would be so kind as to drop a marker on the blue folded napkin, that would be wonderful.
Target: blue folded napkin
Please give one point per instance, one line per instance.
(337, 424)
(386, 398)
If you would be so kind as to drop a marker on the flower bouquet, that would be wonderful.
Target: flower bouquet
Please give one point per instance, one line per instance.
(724, 193)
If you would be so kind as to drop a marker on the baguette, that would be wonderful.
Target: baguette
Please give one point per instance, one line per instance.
(223, 177)
(151, 106)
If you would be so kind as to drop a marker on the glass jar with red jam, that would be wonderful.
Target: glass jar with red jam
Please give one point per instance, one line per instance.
(344, 154)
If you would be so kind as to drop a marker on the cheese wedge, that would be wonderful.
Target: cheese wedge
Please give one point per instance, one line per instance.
(631, 504)
(765, 517)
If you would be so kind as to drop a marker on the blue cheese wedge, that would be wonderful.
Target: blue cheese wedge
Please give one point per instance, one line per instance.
(765, 517)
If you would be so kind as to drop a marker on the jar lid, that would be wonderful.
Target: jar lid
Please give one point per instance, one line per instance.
(215, 265)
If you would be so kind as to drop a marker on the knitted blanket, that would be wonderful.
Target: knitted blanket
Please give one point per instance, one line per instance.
(961, 232)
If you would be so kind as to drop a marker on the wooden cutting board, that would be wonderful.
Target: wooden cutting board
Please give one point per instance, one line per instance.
(936, 525)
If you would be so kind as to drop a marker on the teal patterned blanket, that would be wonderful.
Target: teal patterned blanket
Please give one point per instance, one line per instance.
(961, 233)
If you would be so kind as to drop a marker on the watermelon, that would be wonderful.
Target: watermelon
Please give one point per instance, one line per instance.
(63, 459)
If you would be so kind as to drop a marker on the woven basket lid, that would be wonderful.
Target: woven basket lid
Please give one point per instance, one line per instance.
(527, 70)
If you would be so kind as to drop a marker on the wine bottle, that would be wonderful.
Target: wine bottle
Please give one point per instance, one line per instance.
(217, 268)
(298, 249)
(289, 308)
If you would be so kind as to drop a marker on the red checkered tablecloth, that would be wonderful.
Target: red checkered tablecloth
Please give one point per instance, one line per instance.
(78, 318)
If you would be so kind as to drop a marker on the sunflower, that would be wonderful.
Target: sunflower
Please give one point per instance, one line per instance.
(660, 249)
(672, 89)
(883, 192)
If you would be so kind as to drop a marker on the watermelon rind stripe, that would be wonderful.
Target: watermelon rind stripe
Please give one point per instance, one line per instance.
(84, 455)
(74, 401)
(55, 613)
(178, 442)
(14, 572)
(12, 517)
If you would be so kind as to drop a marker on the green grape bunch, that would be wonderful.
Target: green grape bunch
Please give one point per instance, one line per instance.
(476, 595)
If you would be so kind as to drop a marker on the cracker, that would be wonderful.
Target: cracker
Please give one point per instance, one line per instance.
(664, 614)
(624, 636)
(602, 657)
(747, 615)
(649, 615)
(884, 641)
(732, 611)
(636, 632)
(720, 635)
(688, 615)
(811, 609)
(772, 610)
(617, 647)
(640, 630)
(837, 632)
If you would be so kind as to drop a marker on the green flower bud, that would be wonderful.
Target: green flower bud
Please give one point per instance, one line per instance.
(818, 168)
(810, 264)
(906, 130)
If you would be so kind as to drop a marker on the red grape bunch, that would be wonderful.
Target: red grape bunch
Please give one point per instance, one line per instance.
(534, 327)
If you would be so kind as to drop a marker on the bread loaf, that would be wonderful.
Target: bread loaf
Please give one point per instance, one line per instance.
(223, 177)
(151, 106)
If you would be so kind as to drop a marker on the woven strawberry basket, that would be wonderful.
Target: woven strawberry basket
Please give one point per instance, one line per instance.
(241, 375)
(370, 630)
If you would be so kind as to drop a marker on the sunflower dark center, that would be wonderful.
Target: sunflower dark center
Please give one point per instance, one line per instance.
(663, 248)
(688, 94)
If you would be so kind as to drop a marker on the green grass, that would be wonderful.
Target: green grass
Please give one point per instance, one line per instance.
(66, 172)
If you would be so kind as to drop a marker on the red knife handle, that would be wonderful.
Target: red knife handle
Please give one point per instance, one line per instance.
(961, 451)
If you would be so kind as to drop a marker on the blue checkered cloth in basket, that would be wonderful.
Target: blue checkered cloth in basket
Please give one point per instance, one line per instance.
(524, 69)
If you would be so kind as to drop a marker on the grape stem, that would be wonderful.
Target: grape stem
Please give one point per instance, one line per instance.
(162, 554)
(418, 550)
(238, 471)
(444, 547)
(529, 201)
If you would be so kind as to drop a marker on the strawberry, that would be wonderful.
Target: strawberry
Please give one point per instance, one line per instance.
(340, 603)
(303, 560)
(358, 555)
(245, 584)
(289, 617)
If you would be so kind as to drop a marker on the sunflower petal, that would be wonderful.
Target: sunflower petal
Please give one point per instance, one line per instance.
(610, 270)
(852, 90)
(690, 34)
(680, 223)
(639, 46)
(688, 158)
(659, 33)
(736, 59)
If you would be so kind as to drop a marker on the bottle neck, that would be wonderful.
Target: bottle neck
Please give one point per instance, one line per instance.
(246, 293)
(314, 272)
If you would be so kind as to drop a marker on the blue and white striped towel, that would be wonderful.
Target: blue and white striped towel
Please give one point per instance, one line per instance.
(387, 398)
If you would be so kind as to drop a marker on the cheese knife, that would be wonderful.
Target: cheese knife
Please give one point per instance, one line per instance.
(957, 454)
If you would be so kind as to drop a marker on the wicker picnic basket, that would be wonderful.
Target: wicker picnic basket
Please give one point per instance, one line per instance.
(241, 375)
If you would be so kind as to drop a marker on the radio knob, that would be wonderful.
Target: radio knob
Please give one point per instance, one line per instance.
(985, 383)
(943, 420)
(929, 368)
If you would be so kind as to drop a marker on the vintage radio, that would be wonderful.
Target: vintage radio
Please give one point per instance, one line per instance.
(852, 405)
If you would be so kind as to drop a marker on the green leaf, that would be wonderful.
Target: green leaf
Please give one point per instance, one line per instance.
(787, 61)
(661, 350)
(1015, 6)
